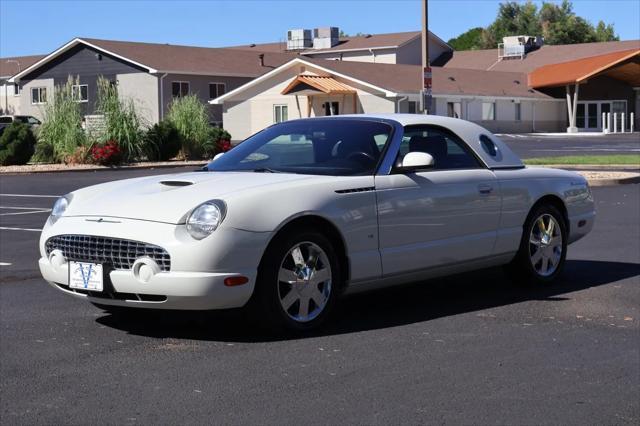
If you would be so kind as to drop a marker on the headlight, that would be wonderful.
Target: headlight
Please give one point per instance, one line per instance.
(59, 208)
(205, 219)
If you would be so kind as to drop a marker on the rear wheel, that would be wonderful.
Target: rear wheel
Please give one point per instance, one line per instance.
(298, 282)
(543, 247)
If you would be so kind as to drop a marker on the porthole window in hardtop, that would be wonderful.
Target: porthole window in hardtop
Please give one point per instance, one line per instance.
(449, 152)
(488, 146)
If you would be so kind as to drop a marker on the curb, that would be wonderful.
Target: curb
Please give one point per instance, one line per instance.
(195, 164)
(612, 182)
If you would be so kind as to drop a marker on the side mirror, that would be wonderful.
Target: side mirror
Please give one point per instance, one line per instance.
(218, 155)
(415, 161)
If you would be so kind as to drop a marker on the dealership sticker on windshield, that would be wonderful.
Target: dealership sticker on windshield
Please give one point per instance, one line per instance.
(85, 276)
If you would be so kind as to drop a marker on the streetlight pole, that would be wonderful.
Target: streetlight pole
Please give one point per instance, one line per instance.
(426, 66)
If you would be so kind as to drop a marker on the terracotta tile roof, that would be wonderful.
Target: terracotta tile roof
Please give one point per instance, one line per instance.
(325, 84)
(346, 43)
(548, 54)
(195, 60)
(8, 67)
(450, 81)
(626, 61)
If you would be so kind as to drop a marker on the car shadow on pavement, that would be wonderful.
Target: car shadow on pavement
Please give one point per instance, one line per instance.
(407, 304)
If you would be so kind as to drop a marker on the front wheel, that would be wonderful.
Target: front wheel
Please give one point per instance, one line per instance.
(543, 247)
(298, 281)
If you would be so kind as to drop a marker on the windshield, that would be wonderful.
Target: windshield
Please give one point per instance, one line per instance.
(316, 147)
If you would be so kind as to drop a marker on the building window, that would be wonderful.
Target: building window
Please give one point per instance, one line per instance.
(331, 108)
(488, 111)
(518, 112)
(454, 109)
(16, 89)
(280, 113)
(216, 90)
(179, 89)
(413, 107)
(80, 92)
(38, 95)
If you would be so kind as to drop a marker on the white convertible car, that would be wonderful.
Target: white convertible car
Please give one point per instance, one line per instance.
(308, 209)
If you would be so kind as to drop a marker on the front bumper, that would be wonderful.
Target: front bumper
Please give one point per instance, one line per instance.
(198, 268)
(165, 290)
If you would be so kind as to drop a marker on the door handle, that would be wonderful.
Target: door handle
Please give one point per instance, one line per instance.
(485, 189)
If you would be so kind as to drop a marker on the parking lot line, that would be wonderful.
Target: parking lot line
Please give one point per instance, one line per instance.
(6, 228)
(29, 195)
(23, 208)
(5, 264)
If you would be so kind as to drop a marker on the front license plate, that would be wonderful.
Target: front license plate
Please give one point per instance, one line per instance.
(86, 276)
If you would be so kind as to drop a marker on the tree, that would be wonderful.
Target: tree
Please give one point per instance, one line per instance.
(470, 40)
(557, 23)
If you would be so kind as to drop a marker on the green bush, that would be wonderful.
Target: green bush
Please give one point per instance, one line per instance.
(122, 122)
(61, 132)
(17, 144)
(162, 141)
(189, 116)
(219, 140)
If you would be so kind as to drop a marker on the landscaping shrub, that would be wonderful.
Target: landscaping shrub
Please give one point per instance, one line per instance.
(162, 141)
(107, 154)
(122, 122)
(190, 118)
(219, 141)
(61, 131)
(17, 145)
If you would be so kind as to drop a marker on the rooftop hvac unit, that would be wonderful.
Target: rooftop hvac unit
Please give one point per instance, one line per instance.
(299, 39)
(518, 46)
(325, 37)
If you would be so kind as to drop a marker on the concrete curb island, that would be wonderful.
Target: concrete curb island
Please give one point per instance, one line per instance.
(596, 174)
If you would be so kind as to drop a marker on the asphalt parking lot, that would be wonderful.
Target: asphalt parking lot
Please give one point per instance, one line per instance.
(532, 145)
(469, 349)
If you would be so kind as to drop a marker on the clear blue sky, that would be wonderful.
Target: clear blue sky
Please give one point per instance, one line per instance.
(34, 27)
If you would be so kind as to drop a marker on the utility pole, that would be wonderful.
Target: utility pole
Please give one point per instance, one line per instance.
(426, 66)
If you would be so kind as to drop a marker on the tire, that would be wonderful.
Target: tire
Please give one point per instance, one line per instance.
(307, 277)
(541, 255)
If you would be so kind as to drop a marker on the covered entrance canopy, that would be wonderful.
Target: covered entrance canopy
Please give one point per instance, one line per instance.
(313, 85)
(623, 66)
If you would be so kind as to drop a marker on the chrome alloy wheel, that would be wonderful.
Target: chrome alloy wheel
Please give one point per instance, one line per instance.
(545, 245)
(304, 281)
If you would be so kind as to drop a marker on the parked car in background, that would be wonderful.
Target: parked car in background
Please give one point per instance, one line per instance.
(26, 119)
(306, 210)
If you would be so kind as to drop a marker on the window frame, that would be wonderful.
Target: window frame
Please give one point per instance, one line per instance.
(217, 83)
(517, 111)
(449, 134)
(275, 113)
(416, 107)
(17, 89)
(39, 89)
(180, 83)
(494, 110)
(79, 86)
(453, 108)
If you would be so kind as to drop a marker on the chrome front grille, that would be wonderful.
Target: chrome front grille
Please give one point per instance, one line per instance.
(118, 253)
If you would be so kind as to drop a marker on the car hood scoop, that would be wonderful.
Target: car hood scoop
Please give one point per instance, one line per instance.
(175, 183)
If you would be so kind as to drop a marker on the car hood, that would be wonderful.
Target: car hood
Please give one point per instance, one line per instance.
(169, 198)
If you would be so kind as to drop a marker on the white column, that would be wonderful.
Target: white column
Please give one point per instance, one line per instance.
(603, 123)
(622, 122)
(615, 122)
(631, 122)
(609, 122)
(571, 109)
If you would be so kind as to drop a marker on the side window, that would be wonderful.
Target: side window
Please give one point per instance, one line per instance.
(449, 152)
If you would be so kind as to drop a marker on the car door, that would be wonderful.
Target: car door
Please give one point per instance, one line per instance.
(440, 216)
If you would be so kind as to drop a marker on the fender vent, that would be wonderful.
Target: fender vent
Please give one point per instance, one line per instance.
(352, 190)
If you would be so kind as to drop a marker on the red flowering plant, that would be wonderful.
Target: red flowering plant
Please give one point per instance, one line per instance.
(107, 154)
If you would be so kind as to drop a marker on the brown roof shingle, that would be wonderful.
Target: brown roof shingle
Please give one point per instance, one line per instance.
(194, 60)
(548, 54)
(449, 81)
(9, 67)
(346, 43)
